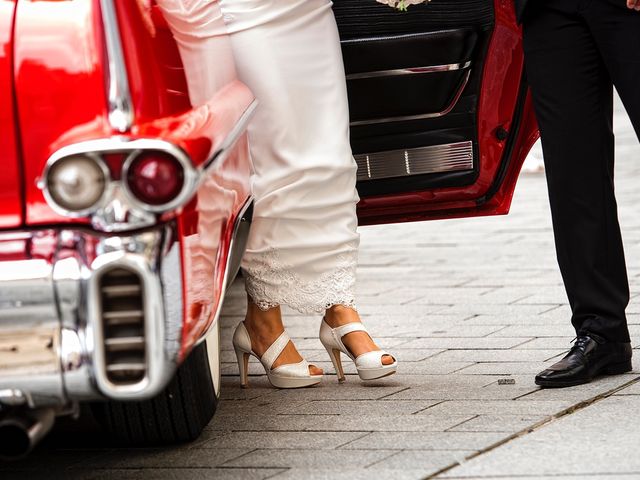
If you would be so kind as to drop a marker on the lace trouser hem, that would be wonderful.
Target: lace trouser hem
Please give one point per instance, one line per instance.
(270, 283)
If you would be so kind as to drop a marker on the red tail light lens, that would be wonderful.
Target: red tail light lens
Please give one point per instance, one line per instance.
(155, 178)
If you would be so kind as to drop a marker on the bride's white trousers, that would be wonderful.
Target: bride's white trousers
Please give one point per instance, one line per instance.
(302, 251)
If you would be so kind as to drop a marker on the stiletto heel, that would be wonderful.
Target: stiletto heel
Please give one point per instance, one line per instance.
(334, 355)
(291, 375)
(369, 365)
(243, 366)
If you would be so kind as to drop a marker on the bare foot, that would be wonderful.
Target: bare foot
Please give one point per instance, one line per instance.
(357, 342)
(264, 328)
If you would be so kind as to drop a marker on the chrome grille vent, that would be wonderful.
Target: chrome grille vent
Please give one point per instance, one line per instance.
(122, 304)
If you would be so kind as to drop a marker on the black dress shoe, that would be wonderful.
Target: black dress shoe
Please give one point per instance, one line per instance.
(590, 356)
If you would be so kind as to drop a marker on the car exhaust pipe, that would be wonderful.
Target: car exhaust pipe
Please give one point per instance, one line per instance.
(20, 432)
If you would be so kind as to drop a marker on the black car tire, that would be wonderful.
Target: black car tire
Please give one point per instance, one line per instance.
(176, 415)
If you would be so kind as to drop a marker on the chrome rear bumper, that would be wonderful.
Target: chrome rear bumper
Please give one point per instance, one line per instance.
(52, 345)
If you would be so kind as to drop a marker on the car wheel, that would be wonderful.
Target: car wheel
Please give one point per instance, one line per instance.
(176, 415)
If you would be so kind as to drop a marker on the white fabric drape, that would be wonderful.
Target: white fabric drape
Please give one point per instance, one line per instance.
(302, 250)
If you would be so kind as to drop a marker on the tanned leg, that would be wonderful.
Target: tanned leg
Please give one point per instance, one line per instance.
(264, 327)
(357, 342)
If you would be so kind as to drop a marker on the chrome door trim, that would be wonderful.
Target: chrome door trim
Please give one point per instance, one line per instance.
(118, 92)
(450, 157)
(410, 71)
(423, 116)
(226, 279)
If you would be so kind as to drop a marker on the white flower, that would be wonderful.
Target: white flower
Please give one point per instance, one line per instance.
(402, 4)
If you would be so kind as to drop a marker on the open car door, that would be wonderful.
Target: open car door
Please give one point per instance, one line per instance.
(441, 119)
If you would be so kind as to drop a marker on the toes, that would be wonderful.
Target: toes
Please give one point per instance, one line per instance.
(387, 360)
(313, 370)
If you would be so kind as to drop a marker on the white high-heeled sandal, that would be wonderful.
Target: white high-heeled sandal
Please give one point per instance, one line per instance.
(369, 365)
(292, 375)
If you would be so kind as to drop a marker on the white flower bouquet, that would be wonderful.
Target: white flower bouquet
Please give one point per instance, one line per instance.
(402, 4)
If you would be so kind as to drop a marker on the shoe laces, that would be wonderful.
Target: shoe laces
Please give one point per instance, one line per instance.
(581, 341)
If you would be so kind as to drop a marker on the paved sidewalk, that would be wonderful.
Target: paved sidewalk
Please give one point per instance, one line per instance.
(472, 309)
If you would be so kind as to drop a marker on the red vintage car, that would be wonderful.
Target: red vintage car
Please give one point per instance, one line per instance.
(124, 207)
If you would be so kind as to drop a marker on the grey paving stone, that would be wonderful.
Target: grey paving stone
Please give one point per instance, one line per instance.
(338, 473)
(280, 440)
(389, 423)
(498, 407)
(632, 390)
(609, 433)
(414, 354)
(497, 356)
(262, 423)
(505, 311)
(148, 473)
(483, 343)
(309, 458)
(432, 366)
(430, 461)
(507, 392)
(164, 458)
(562, 330)
(332, 390)
(620, 476)
(368, 407)
(519, 320)
(361, 422)
(548, 343)
(499, 423)
(241, 407)
(455, 331)
(502, 368)
(580, 393)
(425, 441)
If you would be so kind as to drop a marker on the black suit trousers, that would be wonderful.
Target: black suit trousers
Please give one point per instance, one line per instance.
(575, 52)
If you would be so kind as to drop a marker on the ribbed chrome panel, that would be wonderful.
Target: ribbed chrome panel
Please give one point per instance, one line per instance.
(123, 325)
(451, 157)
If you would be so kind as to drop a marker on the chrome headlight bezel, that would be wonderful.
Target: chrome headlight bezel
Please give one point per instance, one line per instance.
(55, 161)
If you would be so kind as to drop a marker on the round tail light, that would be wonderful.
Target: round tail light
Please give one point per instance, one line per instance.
(155, 178)
(76, 183)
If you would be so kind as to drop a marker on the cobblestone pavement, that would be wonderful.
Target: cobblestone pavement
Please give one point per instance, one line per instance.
(472, 309)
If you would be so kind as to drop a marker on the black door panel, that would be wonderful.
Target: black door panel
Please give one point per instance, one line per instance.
(413, 80)
(367, 18)
(387, 77)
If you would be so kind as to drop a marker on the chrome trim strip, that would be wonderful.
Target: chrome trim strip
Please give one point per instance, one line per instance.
(118, 93)
(227, 280)
(451, 157)
(410, 71)
(383, 38)
(423, 116)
